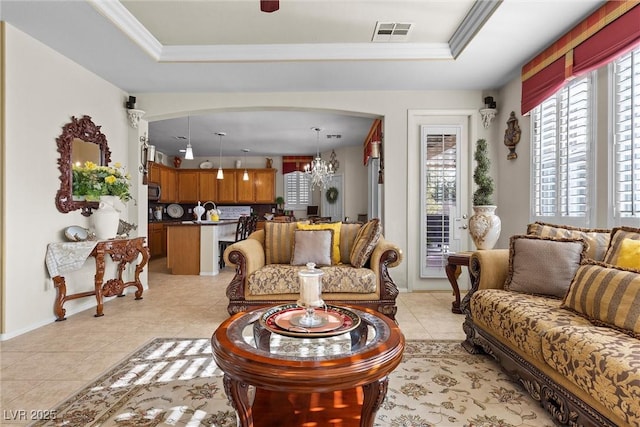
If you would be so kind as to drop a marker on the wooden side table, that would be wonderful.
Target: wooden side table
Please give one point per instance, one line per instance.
(453, 269)
(121, 251)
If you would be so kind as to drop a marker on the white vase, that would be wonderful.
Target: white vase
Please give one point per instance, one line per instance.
(107, 217)
(484, 226)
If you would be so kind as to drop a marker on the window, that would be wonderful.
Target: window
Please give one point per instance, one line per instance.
(561, 138)
(626, 138)
(297, 192)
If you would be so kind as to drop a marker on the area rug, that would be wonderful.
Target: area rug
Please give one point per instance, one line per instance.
(175, 382)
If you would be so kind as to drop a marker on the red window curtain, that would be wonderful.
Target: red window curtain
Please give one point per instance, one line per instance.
(375, 134)
(610, 31)
(608, 43)
(295, 163)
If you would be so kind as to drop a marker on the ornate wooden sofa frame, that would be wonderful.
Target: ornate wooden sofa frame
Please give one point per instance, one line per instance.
(384, 256)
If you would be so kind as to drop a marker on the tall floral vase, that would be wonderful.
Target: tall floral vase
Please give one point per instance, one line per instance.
(484, 226)
(107, 217)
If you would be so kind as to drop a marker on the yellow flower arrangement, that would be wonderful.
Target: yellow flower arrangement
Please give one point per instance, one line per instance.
(93, 181)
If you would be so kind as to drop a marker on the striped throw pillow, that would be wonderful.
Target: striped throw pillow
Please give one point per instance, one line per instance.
(606, 295)
(348, 233)
(278, 241)
(597, 238)
(366, 241)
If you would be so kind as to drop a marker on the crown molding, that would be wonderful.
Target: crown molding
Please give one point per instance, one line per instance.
(124, 20)
(478, 15)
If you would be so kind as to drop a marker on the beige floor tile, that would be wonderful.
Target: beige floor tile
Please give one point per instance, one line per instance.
(38, 369)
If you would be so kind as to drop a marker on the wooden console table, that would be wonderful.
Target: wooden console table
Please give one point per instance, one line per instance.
(121, 251)
(453, 270)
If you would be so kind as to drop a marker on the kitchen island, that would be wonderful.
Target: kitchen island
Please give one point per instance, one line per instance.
(192, 247)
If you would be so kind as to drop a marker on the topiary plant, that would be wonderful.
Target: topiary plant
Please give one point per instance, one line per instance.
(484, 183)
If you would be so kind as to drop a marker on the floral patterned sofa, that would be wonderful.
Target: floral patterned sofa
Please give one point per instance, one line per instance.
(355, 267)
(560, 310)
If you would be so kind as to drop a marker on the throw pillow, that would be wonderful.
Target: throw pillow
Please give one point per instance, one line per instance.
(312, 246)
(348, 233)
(596, 238)
(366, 241)
(278, 239)
(619, 234)
(606, 295)
(335, 226)
(629, 255)
(542, 265)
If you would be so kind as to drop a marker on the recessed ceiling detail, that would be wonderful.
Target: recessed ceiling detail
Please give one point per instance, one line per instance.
(391, 32)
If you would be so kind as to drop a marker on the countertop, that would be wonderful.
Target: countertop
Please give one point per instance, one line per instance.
(202, 223)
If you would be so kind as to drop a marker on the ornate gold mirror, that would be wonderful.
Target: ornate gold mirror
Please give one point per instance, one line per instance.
(80, 141)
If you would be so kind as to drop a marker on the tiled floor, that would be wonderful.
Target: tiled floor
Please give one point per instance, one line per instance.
(42, 367)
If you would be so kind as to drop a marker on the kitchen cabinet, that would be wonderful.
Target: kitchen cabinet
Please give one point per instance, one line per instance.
(154, 173)
(168, 192)
(157, 240)
(265, 185)
(207, 186)
(245, 190)
(188, 186)
(226, 188)
(183, 249)
(260, 188)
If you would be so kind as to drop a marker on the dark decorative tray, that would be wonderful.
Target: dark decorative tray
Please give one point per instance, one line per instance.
(281, 320)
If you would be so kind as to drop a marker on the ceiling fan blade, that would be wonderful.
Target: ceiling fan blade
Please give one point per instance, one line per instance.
(269, 5)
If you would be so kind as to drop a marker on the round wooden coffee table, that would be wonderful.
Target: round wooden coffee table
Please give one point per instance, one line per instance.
(272, 379)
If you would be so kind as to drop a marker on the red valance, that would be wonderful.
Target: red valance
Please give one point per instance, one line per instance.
(375, 134)
(295, 163)
(610, 31)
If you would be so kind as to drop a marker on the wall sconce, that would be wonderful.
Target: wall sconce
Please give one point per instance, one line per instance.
(488, 113)
(375, 149)
(147, 154)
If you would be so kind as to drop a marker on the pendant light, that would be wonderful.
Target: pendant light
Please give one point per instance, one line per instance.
(189, 153)
(220, 174)
(245, 175)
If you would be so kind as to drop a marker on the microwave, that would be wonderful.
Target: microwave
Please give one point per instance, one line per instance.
(154, 192)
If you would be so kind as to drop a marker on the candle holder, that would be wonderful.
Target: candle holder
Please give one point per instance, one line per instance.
(310, 297)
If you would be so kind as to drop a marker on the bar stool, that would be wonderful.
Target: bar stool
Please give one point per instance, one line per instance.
(246, 225)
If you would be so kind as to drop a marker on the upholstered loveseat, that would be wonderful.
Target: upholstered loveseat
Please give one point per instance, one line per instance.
(355, 266)
(573, 346)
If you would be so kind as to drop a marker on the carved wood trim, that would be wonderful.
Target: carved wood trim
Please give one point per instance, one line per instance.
(84, 129)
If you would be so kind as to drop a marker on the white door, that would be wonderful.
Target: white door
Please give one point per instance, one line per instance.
(334, 210)
(441, 227)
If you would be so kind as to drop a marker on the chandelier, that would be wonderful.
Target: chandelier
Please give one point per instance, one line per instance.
(319, 172)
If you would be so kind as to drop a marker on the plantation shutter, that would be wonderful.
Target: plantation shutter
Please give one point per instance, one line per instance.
(560, 140)
(297, 194)
(627, 135)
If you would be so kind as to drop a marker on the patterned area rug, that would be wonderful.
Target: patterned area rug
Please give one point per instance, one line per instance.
(175, 382)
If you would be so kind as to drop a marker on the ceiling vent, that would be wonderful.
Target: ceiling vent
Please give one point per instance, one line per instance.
(391, 32)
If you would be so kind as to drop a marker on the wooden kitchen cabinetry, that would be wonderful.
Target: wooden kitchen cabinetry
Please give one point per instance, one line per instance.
(168, 190)
(226, 188)
(258, 189)
(166, 177)
(188, 186)
(207, 186)
(265, 185)
(157, 240)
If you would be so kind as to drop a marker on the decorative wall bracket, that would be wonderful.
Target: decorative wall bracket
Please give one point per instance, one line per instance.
(134, 117)
(487, 115)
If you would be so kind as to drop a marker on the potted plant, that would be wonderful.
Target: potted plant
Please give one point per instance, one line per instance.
(280, 202)
(484, 224)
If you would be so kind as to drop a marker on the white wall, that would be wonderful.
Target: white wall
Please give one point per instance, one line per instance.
(43, 90)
